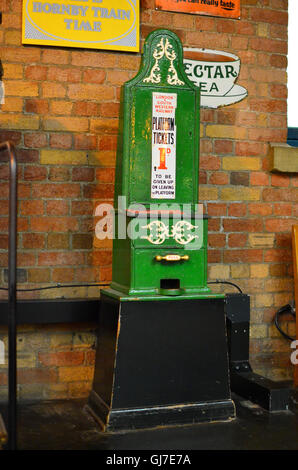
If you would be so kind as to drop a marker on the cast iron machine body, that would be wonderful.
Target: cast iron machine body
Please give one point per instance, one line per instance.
(162, 354)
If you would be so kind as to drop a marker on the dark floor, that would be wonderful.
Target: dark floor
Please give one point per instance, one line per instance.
(66, 425)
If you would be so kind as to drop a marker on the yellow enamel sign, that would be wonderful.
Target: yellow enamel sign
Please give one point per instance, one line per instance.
(96, 24)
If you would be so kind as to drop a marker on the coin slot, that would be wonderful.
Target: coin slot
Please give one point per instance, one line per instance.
(170, 283)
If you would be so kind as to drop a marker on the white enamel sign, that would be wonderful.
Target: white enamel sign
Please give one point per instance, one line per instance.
(215, 73)
(163, 171)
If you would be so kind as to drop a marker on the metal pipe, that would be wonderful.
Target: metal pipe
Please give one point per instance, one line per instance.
(12, 251)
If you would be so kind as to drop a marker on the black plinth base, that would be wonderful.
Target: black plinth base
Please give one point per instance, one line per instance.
(270, 395)
(161, 363)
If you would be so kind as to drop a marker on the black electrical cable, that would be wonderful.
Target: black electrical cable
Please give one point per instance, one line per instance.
(57, 286)
(289, 309)
(226, 282)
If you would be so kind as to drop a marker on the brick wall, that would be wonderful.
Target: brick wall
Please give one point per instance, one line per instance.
(61, 111)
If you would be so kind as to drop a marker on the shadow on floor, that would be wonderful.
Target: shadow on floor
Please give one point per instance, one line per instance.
(66, 425)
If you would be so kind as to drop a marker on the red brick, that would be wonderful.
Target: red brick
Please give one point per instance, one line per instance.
(207, 115)
(4, 190)
(61, 107)
(204, 39)
(94, 76)
(206, 146)
(32, 207)
(284, 240)
(26, 259)
(279, 225)
(237, 210)
(61, 141)
(53, 90)
(267, 135)
(107, 142)
(12, 136)
(250, 149)
(57, 207)
(214, 225)
(54, 259)
(278, 91)
(279, 61)
(24, 190)
(239, 43)
(260, 209)
(280, 180)
(209, 163)
(269, 16)
(214, 256)
(85, 141)
(93, 59)
(276, 120)
(243, 225)
(82, 208)
(100, 258)
(247, 256)
(55, 56)
(245, 28)
(219, 178)
(223, 146)
(4, 262)
(202, 177)
(105, 274)
(3, 242)
(216, 209)
(259, 178)
(61, 358)
(109, 109)
(225, 25)
(37, 106)
(36, 72)
(217, 240)
(90, 91)
(269, 106)
(52, 189)
(83, 174)
(237, 239)
(59, 174)
(61, 74)
(279, 195)
(53, 224)
(247, 57)
(33, 240)
(283, 209)
(26, 156)
(278, 255)
(26, 55)
(85, 108)
(268, 45)
(99, 191)
(35, 173)
(35, 140)
(226, 116)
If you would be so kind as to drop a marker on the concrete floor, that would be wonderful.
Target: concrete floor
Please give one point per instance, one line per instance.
(66, 425)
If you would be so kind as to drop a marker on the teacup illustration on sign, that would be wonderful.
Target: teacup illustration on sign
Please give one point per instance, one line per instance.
(215, 73)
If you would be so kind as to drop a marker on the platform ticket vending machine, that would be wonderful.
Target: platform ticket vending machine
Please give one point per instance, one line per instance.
(162, 354)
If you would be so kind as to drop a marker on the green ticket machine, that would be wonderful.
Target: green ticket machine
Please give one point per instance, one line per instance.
(162, 355)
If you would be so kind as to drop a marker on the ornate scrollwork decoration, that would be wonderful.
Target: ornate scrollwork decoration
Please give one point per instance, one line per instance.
(164, 49)
(159, 231)
(158, 53)
(172, 77)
